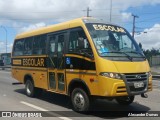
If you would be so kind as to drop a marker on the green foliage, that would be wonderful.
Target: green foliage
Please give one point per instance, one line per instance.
(151, 52)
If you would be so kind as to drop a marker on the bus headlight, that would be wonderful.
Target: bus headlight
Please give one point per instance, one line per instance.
(111, 75)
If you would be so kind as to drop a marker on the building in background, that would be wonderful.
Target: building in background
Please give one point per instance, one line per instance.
(5, 59)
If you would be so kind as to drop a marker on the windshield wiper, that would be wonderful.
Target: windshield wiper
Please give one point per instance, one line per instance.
(128, 56)
(137, 53)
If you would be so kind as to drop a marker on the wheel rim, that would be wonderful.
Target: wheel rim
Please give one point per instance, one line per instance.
(79, 101)
(29, 88)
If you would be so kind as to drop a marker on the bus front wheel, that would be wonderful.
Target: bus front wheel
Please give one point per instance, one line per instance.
(80, 100)
(125, 100)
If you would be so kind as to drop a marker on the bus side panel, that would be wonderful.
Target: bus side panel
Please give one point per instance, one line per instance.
(86, 76)
(39, 77)
(17, 74)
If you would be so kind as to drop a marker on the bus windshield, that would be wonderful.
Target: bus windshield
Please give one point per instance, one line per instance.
(113, 41)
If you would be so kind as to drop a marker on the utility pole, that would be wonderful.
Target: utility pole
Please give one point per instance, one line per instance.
(134, 17)
(110, 10)
(88, 10)
(6, 35)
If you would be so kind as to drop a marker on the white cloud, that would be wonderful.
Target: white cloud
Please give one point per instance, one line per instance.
(2, 47)
(9, 47)
(34, 11)
(1, 43)
(126, 16)
(150, 38)
(31, 27)
(30, 14)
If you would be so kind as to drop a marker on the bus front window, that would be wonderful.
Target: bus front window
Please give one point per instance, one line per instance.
(113, 41)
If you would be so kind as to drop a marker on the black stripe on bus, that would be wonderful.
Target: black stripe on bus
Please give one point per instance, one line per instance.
(70, 62)
(79, 63)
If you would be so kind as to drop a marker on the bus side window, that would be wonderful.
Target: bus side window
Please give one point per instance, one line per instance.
(39, 45)
(28, 46)
(78, 41)
(18, 48)
(60, 43)
(73, 41)
(52, 45)
(60, 51)
(43, 43)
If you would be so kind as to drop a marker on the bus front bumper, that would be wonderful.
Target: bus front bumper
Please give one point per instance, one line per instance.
(113, 87)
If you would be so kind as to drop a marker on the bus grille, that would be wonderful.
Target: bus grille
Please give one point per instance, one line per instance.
(136, 77)
(132, 78)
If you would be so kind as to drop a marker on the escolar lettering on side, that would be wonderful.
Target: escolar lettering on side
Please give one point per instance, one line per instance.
(39, 62)
(108, 28)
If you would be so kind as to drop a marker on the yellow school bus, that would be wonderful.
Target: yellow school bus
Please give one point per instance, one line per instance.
(84, 59)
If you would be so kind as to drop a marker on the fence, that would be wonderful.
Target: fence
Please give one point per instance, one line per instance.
(154, 60)
(5, 67)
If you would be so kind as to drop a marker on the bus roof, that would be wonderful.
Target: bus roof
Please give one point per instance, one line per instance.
(58, 27)
(48, 29)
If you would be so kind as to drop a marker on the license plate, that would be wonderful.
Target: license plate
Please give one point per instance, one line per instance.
(138, 84)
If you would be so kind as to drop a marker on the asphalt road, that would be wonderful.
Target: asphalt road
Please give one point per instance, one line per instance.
(13, 98)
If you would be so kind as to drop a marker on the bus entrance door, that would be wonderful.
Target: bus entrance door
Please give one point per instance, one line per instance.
(56, 71)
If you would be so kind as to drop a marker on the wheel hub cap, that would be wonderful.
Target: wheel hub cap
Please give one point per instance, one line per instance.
(79, 100)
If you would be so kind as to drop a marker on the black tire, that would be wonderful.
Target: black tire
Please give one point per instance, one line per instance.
(80, 100)
(32, 91)
(125, 100)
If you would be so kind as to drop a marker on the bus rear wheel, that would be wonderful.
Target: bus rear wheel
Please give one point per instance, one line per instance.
(32, 91)
(125, 100)
(80, 100)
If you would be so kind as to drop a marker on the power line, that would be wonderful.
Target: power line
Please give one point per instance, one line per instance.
(145, 28)
(148, 19)
(46, 12)
(62, 10)
(1, 19)
(38, 11)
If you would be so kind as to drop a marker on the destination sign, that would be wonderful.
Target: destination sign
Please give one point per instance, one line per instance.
(108, 28)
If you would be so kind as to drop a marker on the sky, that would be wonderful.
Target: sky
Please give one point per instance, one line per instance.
(17, 16)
